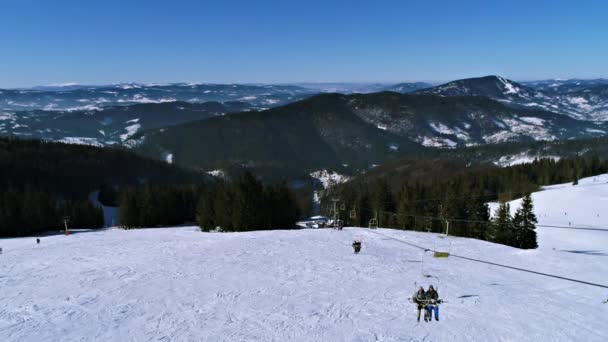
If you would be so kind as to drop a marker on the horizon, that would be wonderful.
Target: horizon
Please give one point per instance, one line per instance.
(295, 83)
(272, 42)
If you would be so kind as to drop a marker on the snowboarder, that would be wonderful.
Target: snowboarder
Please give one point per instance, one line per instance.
(419, 299)
(357, 246)
(432, 303)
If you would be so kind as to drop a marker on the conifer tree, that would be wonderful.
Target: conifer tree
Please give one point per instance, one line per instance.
(502, 225)
(524, 223)
(205, 214)
(128, 211)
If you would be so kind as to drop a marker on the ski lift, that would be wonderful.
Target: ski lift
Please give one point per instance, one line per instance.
(338, 224)
(352, 214)
(443, 246)
(373, 223)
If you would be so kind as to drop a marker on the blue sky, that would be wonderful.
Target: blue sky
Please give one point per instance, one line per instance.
(94, 42)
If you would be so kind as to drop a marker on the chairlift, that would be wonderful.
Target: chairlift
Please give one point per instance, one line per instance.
(373, 223)
(443, 245)
(352, 214)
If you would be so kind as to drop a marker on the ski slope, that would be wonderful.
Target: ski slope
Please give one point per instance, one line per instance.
(179, 284)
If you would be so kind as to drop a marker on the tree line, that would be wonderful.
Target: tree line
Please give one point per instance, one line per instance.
(461, 200)
(41, 182)
(242, 205)
(25, 213)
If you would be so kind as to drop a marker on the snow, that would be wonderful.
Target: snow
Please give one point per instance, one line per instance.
(63, 85)
(139, 98)
(131, 129)
(382, 127)
(81, 141)
(521, 158)
(438, 142)
(441, 128)
(271, 101)
(533, 120)
(581, 205)
(581, 102)
(329, 178)
(7, 116)
(168, 157)
(509, 87)
(179, 284)
(217, 173)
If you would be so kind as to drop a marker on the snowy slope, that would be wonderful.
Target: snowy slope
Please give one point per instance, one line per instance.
(180, 284)
(307, 285)
(583, 205)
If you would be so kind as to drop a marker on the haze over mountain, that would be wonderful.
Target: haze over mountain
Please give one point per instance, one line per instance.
(75, 97)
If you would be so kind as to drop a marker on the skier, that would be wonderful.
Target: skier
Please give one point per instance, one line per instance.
(38, 241)
(432, 303)
(357, 246)
(419, 299)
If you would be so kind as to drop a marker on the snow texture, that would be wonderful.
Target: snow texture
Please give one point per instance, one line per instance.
(329, 178)
(131, 129)
(180, 284)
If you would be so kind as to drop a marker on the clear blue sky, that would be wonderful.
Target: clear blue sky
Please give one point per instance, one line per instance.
(102, 41)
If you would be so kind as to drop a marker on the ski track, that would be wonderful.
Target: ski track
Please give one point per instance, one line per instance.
(179, 284)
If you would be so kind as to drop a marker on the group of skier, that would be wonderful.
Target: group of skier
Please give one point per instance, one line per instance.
(429, 301)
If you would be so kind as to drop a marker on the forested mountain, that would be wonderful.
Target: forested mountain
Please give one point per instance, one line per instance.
(74, 97)
(40, 182)
(109, 125)
(334, 130)
(408, 87)
(586, 103)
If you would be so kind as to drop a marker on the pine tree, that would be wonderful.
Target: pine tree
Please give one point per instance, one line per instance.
(129, 216)
(524, 223)
(479, 212)
(205, 214)
(501, 229)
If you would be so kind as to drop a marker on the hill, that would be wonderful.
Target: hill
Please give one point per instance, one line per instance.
(76, 97)
(582, 102)
(304, 285)
(108, 125)
(352, 132)
(42, 182)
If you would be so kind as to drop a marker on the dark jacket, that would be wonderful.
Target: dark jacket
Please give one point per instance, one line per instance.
(432, 294)
(419, 296)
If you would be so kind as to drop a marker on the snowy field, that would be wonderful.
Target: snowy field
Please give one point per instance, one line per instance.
(307, 285)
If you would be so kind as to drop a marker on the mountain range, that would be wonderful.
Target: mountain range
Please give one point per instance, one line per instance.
(75, 97)
(353, 132)
(589, 103)
(302, 128)
(109, 125)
